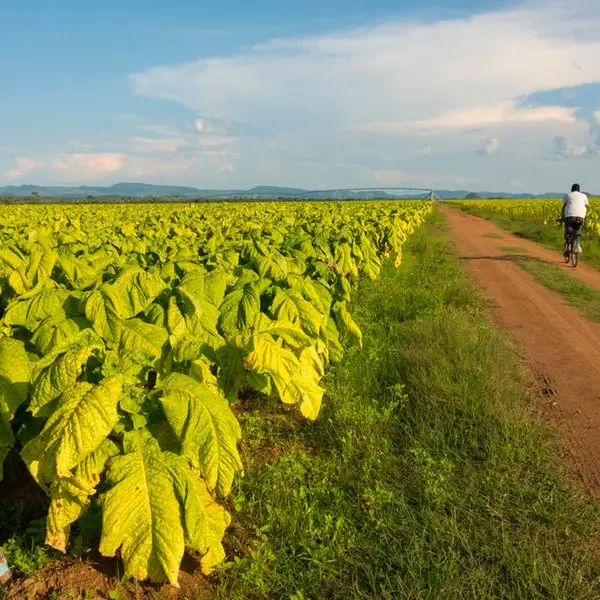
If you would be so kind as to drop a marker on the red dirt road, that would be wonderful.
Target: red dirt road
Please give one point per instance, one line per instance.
(560, 347)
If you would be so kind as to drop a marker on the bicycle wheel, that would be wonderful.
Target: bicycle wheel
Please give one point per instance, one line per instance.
(574, 258)
(567, 252)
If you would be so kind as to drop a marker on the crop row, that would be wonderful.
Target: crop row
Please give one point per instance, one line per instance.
(128, 335)
(545, 211)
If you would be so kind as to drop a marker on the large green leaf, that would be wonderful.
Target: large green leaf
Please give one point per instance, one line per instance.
(70, 497)
(296, 380)
(209, 432)
(290, 305)
(28, 312)
(313, 291)
(67, 504)
(101, 308)
(27, 272)
(205, 520)
(289, 332)
(77, 272)
(240, 307)
(136, 334)
(190, 347)
(57, 331)
(13, 258)
(176, 323)
(345, 261)
(136, 289)
(153, 507)
(58, 376)
(15, 372)
(40, 265)
(305, 383)
(346, 324)
(231, 372)
(331, 336)
(197, 292)
(272, 266)
(130, 295)
(83, 417)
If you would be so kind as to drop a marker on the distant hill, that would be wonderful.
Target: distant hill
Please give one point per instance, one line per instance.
(119, 189)
(147, 190)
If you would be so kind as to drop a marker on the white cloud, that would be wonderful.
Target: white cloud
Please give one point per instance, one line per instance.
(144, 167)
(159, 163)
(561, 149)
(22, 166)
(205, 125)
(586, 146)
(490, 147)
(505, 113)
(450, 74)
(109, 166)
(82, 166)
(369, 104)
(152, 145)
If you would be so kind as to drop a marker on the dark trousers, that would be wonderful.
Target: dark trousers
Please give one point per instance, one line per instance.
(573, 226)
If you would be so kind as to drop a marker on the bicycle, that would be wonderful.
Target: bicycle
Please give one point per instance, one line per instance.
(569, 253)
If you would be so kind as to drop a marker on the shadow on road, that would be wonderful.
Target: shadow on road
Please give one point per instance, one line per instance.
(510, 258)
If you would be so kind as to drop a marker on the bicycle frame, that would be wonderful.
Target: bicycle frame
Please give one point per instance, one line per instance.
(570, 255)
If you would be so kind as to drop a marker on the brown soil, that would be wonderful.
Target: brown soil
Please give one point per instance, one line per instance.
(72, 579)
(561, 348)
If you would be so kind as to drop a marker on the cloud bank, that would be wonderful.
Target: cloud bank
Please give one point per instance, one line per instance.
(455, 73)
(401, 102)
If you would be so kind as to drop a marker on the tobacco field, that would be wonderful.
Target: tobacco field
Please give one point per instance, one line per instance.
(130, 335)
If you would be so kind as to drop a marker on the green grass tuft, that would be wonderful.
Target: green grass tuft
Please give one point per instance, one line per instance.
(578, 294)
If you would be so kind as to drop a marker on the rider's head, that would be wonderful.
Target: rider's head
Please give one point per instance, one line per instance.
(575, 187)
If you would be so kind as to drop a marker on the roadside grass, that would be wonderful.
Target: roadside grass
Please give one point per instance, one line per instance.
(550, 235)
(424, 476)
(577, 293)
(495, 236)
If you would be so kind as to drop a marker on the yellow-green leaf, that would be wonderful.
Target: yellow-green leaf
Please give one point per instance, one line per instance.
(83, 417)
(70, 497)
(136, 334)
(15, 372)
(57, 377)
(205, 521)
(152, 508)
(209, 432)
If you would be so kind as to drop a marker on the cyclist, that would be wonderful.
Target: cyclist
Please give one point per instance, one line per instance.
(574, 209)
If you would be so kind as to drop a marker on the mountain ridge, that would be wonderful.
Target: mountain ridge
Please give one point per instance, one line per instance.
(142, 190)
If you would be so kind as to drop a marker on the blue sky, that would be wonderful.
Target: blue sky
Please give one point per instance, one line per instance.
(319, 94)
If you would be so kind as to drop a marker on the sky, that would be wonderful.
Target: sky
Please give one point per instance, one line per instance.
(320, 94)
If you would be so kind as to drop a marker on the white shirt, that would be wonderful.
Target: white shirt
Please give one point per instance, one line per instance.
(576, 204)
